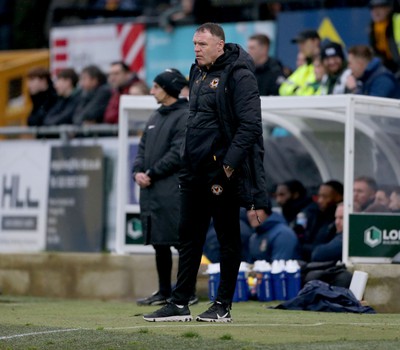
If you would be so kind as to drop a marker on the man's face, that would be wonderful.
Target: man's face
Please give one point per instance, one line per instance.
(339, 218)
(362, 193)
(357, 65)
(36, 85)
(282, 194)
(308, 47)
(256, 51)
(117, 76)
(63, 87)
(86, 82)
(207, 48)
(333, 64)
(158, 92)
(380, 13)
(327, 197)
(382, 198)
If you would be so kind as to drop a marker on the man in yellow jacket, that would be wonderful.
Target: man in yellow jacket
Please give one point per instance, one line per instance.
(298, 83)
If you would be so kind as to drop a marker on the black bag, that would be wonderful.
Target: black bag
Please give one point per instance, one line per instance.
(331, 272)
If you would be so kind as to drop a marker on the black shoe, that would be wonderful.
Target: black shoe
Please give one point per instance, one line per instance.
(170, 312)
(216, 313)
(155, 299)
(193, 300)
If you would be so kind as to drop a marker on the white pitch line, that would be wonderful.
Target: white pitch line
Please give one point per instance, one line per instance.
(205, 324)
(39, 333)
(220, 324)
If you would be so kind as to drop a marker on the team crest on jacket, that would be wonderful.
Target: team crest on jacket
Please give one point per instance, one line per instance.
(214, 83)
(217, 190)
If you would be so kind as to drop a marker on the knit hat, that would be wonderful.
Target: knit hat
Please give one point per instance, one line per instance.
(332, 49)
(171, 81)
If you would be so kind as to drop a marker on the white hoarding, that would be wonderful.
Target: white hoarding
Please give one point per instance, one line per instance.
(23, 195)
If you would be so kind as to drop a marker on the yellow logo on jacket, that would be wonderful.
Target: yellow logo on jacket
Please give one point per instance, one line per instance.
(214, 83)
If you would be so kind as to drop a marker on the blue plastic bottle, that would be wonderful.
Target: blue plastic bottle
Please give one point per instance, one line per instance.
(278, 278)
(293, 279)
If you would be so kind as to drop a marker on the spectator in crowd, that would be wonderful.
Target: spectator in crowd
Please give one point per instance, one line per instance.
(42, 94)
(67, 100)
(364, 191)
(332, 250)
(334, 61)
(394, 204)
(139, 88)
(120, 79)
(268, 71)
(155, 170)
(384, 36)
(317, 231)
(314, 88)
(273, 239)
(212, 247)
(223, 137)
(381, 201)
(309, 44)
(181, 13)
(325, 257)
(369, 76)
(93, 98)
(382, 195)
(292, 197)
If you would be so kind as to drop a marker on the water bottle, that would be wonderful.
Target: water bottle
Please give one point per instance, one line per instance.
(278, 278)
(242, 288)
(293, 279)
(213, 271)
(264, 284)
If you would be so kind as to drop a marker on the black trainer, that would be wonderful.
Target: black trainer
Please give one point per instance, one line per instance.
(216, 313)
(155, 299)
(170, 312)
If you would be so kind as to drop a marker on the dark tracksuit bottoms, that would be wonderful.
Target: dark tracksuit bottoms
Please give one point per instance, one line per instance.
(198, 206)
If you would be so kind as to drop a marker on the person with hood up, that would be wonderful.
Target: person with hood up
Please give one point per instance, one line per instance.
(223, 169)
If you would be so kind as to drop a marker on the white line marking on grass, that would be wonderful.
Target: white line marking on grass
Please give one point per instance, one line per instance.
(200, 324)
(215, 324)
(39, 333)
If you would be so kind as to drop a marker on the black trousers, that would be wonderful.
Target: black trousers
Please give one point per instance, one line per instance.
(198, 205)
(164, 268)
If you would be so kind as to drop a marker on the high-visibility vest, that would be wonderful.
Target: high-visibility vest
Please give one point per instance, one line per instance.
(396, 30)
(298, 83)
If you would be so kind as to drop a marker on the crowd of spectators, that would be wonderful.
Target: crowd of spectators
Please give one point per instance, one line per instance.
(92, 97)
(305, 227)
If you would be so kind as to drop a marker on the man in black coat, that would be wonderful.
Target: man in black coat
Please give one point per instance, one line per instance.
(222, 168)
(269, 72)
(155, 170)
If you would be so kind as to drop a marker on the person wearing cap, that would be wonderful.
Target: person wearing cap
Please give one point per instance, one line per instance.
(155, 170)
(297, 84)
(334, 61)
(384, 34)
(369, 76)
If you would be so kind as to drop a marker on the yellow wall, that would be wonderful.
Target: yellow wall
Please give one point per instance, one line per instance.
(14, 66)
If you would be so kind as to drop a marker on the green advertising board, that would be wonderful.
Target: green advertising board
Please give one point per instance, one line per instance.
(374, 235)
